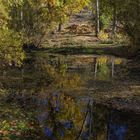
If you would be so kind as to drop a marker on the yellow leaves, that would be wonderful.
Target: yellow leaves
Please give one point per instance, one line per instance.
(103, 36)
(70, 111)
(118, 61)
(105, 60)
(3, 14)
(102, 60)
(15, 123)
(39, 16)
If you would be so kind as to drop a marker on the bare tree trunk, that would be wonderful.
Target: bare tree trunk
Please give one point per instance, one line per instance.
(97, 18)
(114, 19)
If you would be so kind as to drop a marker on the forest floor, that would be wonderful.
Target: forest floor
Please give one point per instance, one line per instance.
(78, 37)
(85, 43)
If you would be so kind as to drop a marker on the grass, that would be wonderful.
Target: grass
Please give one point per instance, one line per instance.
(82, 45)
(101, 49)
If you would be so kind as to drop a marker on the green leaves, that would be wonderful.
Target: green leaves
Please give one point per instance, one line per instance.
(36, 18)
(10, 48)
(10, 41)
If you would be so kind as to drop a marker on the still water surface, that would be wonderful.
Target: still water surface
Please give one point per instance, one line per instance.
(57, 90)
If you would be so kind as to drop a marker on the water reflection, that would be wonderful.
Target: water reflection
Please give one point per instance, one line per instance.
(61, 117)
(117, 132)
(41, 88)
(64, 118)
(40, 73)
(104, 67)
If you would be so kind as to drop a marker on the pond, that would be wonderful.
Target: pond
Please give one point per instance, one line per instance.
(63, 97)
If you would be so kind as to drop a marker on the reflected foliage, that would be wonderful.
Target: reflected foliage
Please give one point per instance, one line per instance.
(34, 101)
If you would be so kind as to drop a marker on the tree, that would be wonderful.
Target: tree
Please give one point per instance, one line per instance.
(119, 14)
(10, 42)
(97, 18)
(30, 21)
(114, 18)
(35, 19)
(129, 17)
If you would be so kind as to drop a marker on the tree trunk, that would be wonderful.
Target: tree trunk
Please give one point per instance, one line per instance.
(59, 27)
(21, 17)
(97, 18)
(113, 65)
(114, 19)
